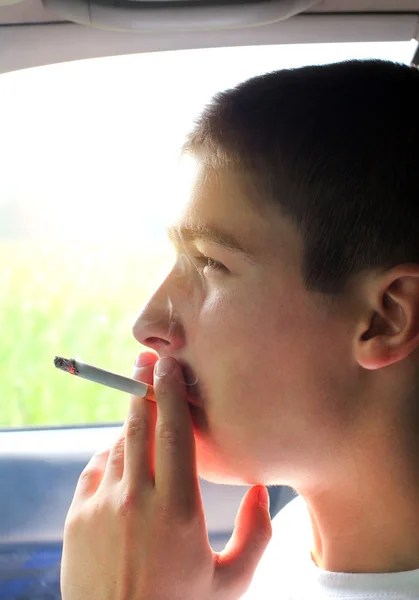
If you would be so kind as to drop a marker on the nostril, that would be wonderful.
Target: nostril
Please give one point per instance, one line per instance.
(151, 341)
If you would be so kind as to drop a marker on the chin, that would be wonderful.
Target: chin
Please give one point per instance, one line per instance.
(212, 468)
(223, 478)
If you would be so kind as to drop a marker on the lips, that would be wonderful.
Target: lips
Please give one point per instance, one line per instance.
(193, 397)
(192, 389)
(193, 401)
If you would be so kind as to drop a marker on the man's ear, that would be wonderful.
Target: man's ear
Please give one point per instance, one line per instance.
(390, 332)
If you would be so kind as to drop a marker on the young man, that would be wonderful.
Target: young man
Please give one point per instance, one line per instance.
(292, 313)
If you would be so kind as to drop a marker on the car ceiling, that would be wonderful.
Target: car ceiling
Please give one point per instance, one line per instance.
(40, 32)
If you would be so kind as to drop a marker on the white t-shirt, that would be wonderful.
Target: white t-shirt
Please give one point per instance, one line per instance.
(286, 571)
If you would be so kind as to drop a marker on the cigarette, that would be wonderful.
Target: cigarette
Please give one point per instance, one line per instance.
(112, 380)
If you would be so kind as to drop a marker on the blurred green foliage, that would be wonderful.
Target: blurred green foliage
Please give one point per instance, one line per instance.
(76, 301)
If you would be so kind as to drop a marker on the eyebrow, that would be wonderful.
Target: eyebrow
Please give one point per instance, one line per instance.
(208, 233)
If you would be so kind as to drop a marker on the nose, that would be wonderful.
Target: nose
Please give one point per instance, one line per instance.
(158, 327)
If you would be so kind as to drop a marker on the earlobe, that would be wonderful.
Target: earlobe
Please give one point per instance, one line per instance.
(391, 332)
(376, 343)
(375, 353)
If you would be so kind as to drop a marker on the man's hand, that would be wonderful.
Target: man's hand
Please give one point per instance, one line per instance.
(136, 527)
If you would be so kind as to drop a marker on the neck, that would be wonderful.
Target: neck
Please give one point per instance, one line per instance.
(369, 521)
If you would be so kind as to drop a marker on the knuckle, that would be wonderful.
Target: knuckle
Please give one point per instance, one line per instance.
(89, 473)
(118, 449)
(179, 517)
(72, 517)
(94, 467)
(171, 515)
(72, 525)
(101, 454)
(127, 502)
(74, 521)
(167, 515)
(86, 475)
(136, 425)
(83, 515)
(117, 454)
(169, 435)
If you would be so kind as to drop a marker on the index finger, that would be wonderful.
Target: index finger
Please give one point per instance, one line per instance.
(139, 429)
(176, 476)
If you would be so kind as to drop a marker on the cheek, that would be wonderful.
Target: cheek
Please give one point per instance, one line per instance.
(246, 329)
(230, 328)
(233, 350)
(250, 344)
(265, 367)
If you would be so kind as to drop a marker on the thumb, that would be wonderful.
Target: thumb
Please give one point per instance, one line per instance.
(252, 533)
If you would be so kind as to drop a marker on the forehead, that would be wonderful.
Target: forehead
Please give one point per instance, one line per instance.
(218, 194)
(227, 199)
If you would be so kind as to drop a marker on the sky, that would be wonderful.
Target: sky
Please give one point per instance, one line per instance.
(90, 148)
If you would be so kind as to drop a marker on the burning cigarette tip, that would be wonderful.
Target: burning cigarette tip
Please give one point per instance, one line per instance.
(66, 364)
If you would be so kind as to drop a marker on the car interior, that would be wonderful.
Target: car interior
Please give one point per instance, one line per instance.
(41, 460)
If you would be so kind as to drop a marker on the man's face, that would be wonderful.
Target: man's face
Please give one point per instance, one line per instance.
(268, 363)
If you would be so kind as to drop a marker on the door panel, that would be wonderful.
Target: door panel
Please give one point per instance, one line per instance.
(39, 469)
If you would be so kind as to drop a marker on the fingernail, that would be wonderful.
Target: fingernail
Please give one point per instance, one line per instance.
(263, 497)
(143, 359)
(163, 367)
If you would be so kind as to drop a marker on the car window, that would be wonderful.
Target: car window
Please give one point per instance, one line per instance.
(89, 154)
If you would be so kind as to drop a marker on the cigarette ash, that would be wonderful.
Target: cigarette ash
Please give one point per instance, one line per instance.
(66, 364)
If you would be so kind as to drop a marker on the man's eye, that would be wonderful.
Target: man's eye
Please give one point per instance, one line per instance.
(204, 262)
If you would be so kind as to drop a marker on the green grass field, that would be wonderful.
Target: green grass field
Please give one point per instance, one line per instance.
(75, 303)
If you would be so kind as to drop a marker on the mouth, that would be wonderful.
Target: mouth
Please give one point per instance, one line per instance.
(195, 399)
(193, 394)
(192, 390)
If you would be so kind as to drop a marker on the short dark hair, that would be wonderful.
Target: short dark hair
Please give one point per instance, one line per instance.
(337, 148)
